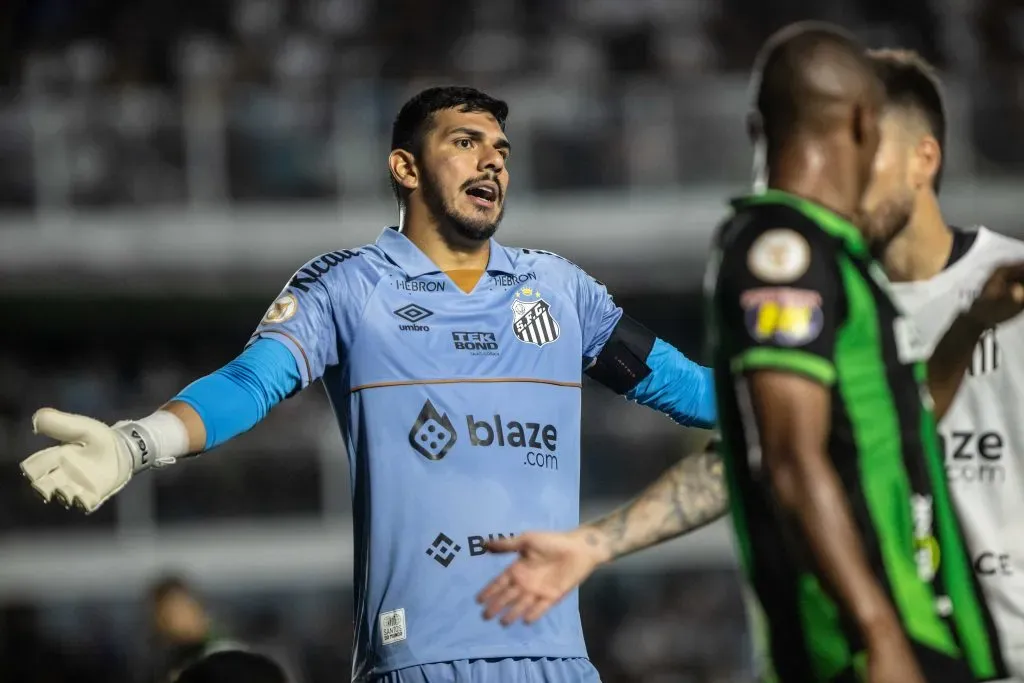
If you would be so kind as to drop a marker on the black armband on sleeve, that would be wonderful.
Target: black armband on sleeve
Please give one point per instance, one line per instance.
(622, 363)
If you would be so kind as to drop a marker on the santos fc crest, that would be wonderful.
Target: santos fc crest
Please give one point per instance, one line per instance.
(532, 321)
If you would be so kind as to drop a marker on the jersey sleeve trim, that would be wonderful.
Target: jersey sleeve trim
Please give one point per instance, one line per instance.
(791, 360)
(301, 358)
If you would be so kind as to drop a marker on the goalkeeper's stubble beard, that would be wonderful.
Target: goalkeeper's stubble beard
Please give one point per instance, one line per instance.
(458, 226)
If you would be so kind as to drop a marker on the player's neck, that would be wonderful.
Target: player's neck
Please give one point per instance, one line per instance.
(921, 251)
(804, 170)
(446, 253)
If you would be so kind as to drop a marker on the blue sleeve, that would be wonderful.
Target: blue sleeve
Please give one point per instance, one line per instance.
(598, 315)
(303, 317)
(233, 399)
(678, 387)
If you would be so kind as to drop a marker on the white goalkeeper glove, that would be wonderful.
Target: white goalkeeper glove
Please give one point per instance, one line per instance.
(94, 461)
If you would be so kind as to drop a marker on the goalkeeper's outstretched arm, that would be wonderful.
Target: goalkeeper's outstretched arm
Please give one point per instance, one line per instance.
(195, 430)
(92, 461)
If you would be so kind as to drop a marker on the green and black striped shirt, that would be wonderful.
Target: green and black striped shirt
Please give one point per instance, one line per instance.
(792, 287)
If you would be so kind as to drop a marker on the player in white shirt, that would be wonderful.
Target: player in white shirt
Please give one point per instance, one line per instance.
(936, 270)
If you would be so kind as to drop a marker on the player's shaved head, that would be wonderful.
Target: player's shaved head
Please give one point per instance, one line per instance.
(815, 126)
(807, 77)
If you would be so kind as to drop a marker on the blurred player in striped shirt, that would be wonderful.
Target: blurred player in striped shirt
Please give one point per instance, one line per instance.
(937, 271)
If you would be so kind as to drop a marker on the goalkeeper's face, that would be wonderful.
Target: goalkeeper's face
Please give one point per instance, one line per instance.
(464, 174)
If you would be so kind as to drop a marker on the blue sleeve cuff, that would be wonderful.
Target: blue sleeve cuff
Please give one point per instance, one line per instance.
(678, 387)
(233, 399)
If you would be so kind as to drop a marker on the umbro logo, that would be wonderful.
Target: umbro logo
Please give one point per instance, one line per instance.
(413, 314)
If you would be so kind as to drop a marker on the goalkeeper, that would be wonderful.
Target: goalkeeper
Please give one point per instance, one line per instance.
(454, 366)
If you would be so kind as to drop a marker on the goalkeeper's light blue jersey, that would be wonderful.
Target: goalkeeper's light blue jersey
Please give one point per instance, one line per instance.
(461, 414)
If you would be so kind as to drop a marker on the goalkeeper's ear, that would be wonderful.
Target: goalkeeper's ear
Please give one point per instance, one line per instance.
(403, 169)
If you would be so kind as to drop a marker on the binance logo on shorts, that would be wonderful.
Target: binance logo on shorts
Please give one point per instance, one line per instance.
(786, 316)
(433, 434)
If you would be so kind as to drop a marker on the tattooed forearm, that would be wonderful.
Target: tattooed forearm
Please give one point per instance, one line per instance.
(688, 496)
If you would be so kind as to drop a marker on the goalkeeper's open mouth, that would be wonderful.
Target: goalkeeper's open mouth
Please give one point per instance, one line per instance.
(484, 193)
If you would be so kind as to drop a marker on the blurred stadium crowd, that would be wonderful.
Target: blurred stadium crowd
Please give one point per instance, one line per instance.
(114, 103)
(154, 102)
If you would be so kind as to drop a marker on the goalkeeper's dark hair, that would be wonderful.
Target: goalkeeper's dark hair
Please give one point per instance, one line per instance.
(913, 84)
(233, 666)
(416, 117)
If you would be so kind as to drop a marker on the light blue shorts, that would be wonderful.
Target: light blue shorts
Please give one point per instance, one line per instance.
(521, 670)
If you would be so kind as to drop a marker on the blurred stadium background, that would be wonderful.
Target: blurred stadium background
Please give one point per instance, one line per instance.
(167, 164)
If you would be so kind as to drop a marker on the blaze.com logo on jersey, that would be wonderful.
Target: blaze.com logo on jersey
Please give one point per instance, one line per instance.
(434, 434)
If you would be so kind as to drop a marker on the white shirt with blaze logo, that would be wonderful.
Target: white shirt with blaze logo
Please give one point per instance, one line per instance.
(983, 433)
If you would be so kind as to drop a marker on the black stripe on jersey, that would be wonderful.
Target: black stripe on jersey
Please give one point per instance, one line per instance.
(775, 580)
(991, 632)
(839, 441)
(908, 412)
(963, 240)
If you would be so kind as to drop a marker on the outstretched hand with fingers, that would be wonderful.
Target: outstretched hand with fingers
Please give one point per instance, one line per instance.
(91, 463)
(549, 566)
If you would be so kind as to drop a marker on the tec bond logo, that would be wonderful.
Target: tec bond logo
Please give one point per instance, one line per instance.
(433, 434)
(413, 314)
(476, 343)
(444, 549)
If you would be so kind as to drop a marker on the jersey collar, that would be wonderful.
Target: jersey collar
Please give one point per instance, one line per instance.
(827, 220)
(415, 263)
